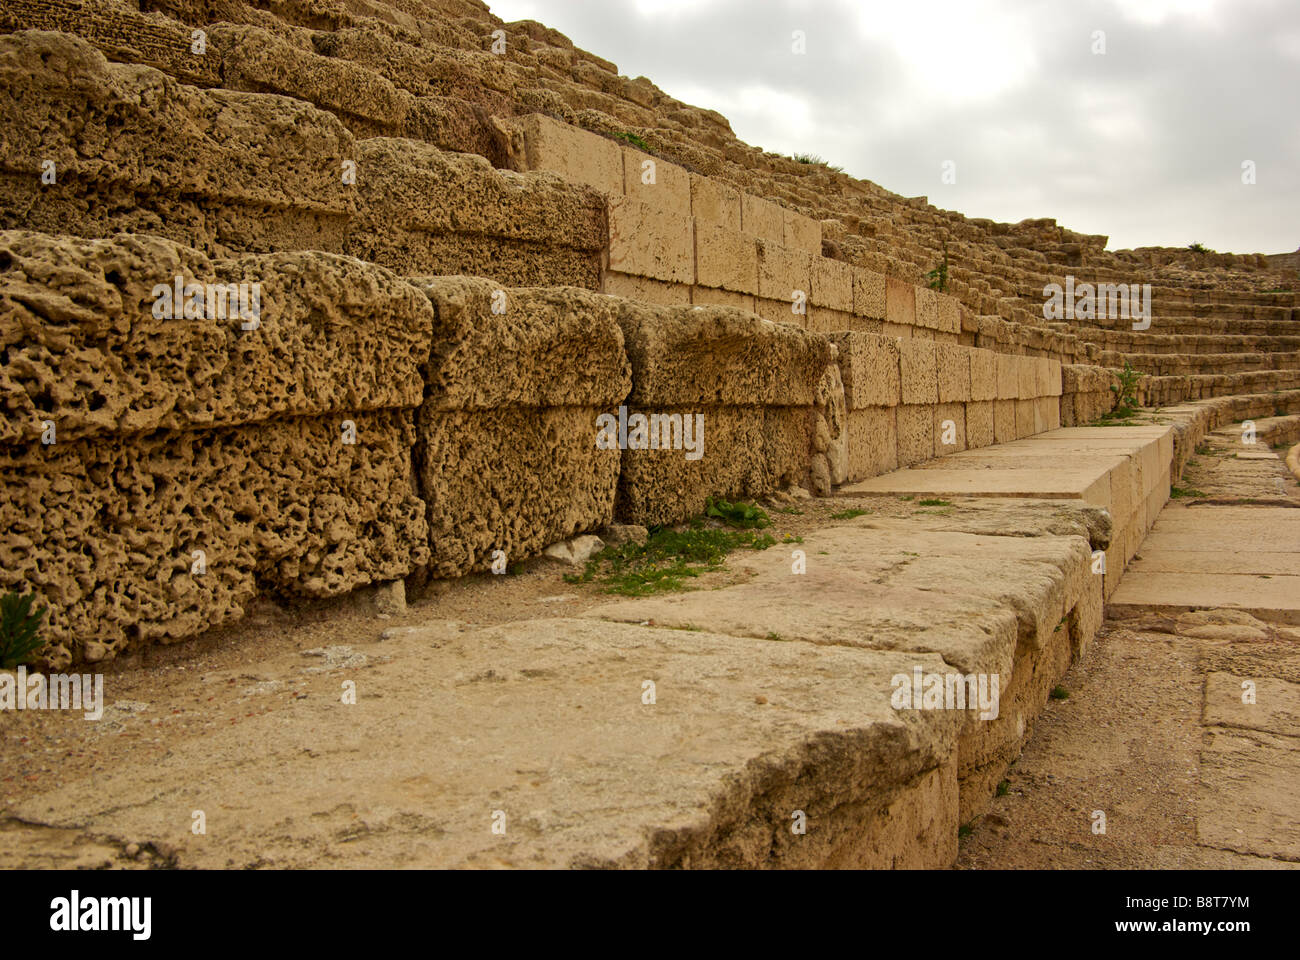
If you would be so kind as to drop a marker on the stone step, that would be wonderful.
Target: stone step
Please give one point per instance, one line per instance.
(1239, 558)
(1122, 469)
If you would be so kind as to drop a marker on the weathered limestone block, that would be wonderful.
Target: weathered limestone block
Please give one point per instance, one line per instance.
(135, 150)
(949, 314)
(574, 153)
(1004, 421)
(726, 259)
(423, 211)
(927, 308)
(754, 384)
(1027, 378)
(983, 374)
(714, 203)
(783, 273)
(105, 530)
(868, 294)
(900, 302)
(802, 233)
(870, 368)
(979, 423)
(953, 367)
(658, 291)
(658, 184)
(831, 439)
(85, 351)
(649, 242)
(916, 436)
(131, 441)
(257, 61)
(918, 371)
(832, 284)
(1085, 394)
(1008, 377)
(708, 297)
(507, 456)
(764, 219)
(872, 442)
(121, 31)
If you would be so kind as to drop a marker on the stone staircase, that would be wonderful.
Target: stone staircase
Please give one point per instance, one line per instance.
(470, 242)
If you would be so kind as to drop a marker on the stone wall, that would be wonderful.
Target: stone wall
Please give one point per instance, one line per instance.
(161, 473)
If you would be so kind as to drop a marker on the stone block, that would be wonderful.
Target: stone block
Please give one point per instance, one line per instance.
(954, 372)
(917, 371)
(647, 242)
(762, 218)
(725, 259)
(714, 203)
(915, 433)
(900, 302)
(868, 293)
(832, 284)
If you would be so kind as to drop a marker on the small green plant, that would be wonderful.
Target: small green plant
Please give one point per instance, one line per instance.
(20, 628)
(1125, 393)
(1203, 450)
(1198, 247)
(669, 558)
(932, 502)
(1181, 493)
(939, 275)
(909, 498)
(1060, 693)
(812, 160)
(1004, 788)
(849, 514)
(965, 830)
(634, 140)
(745, 516)
(775, 636)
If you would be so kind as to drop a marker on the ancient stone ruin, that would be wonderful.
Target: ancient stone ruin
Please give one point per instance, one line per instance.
(304, 301)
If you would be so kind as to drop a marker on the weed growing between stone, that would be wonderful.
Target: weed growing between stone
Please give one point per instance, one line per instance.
(849, 514)
(20, 628)
(670, 557)
(1126, 404)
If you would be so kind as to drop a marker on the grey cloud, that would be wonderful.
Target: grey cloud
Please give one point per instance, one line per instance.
(1144, 144)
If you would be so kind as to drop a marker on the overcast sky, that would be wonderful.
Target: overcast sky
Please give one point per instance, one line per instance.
(1144, 143)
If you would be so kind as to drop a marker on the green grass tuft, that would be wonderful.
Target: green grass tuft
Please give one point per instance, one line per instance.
(634, 140)
(670, 558)
(849, 514)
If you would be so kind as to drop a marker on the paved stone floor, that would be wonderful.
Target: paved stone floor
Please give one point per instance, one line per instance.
(1181, 725)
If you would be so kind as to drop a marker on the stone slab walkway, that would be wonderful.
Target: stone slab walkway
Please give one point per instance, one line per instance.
(1180, 732)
